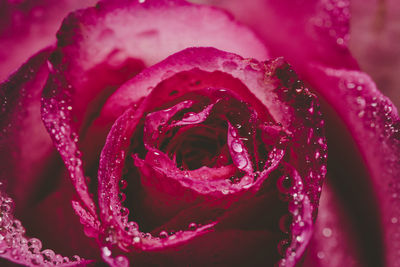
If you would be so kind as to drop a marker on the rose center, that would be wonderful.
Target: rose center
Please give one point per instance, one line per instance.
(194, 147)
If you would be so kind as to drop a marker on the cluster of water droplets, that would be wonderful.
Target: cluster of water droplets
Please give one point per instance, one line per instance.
(297, 223)
(15, 246)
(131, 228)
(57, 116)
(375, 127)
(332, 19)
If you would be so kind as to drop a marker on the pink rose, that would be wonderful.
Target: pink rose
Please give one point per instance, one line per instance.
(186, 143)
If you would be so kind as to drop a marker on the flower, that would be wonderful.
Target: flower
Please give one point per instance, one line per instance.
(110, 88)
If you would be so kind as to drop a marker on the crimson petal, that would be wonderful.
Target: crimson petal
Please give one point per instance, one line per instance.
(374, 123)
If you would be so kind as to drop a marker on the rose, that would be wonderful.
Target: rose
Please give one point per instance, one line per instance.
(54, 114)
(51, 118)
(60, 129)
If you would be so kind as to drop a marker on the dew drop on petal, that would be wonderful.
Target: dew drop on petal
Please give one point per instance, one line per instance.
(122, 197)
(48, 255)
(327, 232)
(163, 235)
(237, 147)
(123, 184)
(192, 226)
(241, 161)
(124, 212)
(121, 260)
(106, 251)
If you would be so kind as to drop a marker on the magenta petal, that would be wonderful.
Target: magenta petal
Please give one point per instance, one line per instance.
(17, 247)
(25, 147)
(28, 26)
(302, 31)
(156, 119)
(332, 243)
(374, 124)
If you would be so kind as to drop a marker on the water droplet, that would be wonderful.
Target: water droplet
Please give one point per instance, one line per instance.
(124, 212)
(237, 147)
(163, 235)
(122, 197)
(121, 260)
(192, 226)
(241, 161)
(387, 109)
(351, 85)
(75, 258)
(50, 66)
(35, 245)
(361, 101)
(327, 232)
(5, 208)
(106, 251)
(48, 255)
(123, 184)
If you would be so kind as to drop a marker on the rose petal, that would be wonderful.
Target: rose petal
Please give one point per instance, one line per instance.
(18, 248)
(54, 221)
(374, 124)
(301, 31)
(28, 26)
(230, 247)
(332, 244)
(26, 148)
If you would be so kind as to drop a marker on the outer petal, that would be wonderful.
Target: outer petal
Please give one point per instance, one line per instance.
(332, 244)
(31, 168)
(374, 124)
(16, 247)
(301, 31)
(26, 148)
(28, 26)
